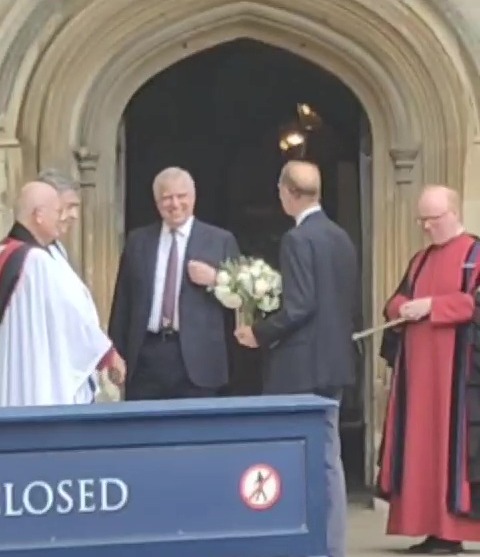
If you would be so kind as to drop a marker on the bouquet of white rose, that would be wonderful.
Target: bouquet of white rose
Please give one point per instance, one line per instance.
(249, 286)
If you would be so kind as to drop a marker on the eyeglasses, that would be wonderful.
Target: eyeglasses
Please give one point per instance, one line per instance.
(430, 218)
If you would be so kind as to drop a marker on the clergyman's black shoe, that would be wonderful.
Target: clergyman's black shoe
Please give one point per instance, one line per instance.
(436, 546)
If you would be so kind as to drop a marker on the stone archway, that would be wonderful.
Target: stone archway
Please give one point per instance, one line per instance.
(400, 59)
(101, 57)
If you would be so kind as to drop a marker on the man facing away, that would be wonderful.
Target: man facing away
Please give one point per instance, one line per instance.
(48, 344)
(309, 338)
(170, 330)
(424, 472)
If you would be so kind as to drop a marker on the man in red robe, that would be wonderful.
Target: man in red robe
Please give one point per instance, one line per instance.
(428, 471)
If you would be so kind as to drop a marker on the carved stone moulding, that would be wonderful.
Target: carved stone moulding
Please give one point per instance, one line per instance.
(87, 166)
(405, 163)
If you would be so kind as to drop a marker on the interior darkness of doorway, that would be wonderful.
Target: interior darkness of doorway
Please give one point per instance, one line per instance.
(218, 114)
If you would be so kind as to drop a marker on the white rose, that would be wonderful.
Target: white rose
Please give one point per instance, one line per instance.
(255, 271)
(227, 298)
(269, 304)
(261, 287)
(223, 278)
(276, 281)
(243, 276)
(232, 301)
(221, 291)
(257, 268)
(245, 279)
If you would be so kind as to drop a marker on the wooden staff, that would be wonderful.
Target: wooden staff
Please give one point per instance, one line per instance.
(378, 328)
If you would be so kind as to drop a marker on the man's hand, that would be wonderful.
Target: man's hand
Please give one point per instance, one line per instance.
(201, 273)
(246, 337)
(117, 370)
(414, 310)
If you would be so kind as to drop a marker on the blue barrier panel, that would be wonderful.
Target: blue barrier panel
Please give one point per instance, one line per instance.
(228, 477)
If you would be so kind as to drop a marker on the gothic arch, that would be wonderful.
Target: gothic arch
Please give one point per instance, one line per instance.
(108, 50)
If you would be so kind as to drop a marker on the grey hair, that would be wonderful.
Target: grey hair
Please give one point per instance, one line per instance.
(172, 174)
(61, 182)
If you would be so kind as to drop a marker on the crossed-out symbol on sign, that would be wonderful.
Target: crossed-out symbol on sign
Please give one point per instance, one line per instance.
(260, 487)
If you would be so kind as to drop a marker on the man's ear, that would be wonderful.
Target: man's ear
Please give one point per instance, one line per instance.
(37, 215)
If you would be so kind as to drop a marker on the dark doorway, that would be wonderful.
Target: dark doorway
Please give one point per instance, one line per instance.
(218, 114)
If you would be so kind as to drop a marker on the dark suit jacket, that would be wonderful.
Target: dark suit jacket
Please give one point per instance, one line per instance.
(310, 336)
(202, 318)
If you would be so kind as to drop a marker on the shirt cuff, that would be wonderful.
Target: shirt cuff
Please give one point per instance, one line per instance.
(107, 359)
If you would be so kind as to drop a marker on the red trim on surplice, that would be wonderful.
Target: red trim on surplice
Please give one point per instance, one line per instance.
(7, 248)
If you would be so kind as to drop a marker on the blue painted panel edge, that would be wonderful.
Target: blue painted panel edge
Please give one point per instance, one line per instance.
(199, 407)
(291, 545)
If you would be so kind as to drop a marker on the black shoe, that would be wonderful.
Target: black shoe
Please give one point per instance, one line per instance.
(436, 546)
(421, 548)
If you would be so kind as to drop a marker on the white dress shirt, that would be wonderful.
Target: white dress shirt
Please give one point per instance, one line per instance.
(304, 214)
(182, 236)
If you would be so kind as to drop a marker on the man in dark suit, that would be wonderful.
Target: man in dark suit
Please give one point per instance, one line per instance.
(310, 337)
(164, 322)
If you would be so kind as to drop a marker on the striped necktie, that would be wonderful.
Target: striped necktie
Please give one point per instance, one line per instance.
(170, 286)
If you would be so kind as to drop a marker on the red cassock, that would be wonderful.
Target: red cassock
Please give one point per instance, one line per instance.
(423, 466)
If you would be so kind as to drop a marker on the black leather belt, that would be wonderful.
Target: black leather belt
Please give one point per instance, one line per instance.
(166, 334)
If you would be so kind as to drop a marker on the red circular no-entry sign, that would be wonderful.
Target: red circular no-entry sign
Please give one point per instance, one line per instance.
(260, 487)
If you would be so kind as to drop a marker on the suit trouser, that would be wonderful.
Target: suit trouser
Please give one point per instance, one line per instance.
(336, 490)
(161, 373)
(335, 486)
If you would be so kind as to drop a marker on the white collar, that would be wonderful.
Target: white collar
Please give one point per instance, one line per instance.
(306, 213)
(183, 230)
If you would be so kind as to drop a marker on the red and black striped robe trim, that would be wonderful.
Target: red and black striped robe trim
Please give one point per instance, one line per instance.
(12, 258)
(465, 421)
(19, 240)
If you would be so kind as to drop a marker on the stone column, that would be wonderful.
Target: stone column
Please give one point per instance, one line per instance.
(471, 188)
(87, 166)
(405, 235)
(10, 180)
(401, 238)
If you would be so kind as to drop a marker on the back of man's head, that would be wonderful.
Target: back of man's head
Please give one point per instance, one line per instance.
(38, 210)
(302, 179)
(58, 180)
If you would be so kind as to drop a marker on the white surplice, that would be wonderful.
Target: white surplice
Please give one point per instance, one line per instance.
(50, 338)
(79, 288)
